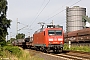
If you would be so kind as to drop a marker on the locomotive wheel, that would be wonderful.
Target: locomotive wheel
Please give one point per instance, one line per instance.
(37, 48)
(42, 49)
(28, 46)
(47, 50)
(56, 51)
(61, 50)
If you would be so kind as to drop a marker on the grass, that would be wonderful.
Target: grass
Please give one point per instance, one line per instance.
(77, 48)
(6, 54)
(16, 53)
(13, 50)
(27, 55)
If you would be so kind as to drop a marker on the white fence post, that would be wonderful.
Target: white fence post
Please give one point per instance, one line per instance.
(69, 44)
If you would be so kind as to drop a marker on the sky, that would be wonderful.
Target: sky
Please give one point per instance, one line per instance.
(30, 12)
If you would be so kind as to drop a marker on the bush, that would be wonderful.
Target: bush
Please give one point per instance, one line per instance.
(2, 42)
(16, 53)
(1, 49)
(13, 50)
(77, 48)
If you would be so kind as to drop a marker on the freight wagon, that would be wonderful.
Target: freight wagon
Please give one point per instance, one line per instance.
(78, 36)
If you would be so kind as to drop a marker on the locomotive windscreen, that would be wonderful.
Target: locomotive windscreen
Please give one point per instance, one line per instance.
(54, 32)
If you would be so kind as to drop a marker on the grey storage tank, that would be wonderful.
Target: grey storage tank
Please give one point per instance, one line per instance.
(74, 18)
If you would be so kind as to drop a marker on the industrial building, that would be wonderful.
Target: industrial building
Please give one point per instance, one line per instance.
(74, 18)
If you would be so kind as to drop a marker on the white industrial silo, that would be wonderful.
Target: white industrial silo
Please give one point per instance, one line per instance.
(74, 18)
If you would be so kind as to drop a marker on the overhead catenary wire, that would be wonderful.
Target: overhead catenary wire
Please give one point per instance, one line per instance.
(40, 12)
(61, 11)
(59, 8)
(75, 3)
(71, 6)
(36, 14)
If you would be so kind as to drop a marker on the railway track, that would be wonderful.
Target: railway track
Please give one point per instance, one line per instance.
(72, 55)
(66, 55)
(75, 55)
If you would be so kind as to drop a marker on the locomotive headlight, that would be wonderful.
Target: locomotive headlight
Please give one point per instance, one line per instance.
(50, 39)
(60, 39)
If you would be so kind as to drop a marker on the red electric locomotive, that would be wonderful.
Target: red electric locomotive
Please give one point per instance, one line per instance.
(49, 39)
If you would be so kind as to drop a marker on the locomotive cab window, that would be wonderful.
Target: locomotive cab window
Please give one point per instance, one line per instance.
(58, 32)
(51, 32)
(55, 32)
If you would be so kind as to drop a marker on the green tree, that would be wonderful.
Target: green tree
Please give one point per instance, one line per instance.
(11, 40)
(4, 22)
(20, 36)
